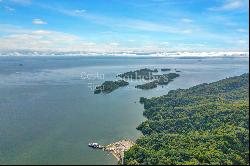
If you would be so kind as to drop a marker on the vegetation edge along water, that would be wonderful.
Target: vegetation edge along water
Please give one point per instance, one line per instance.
(205, 124)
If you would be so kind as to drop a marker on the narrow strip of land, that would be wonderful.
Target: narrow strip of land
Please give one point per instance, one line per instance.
(117, 149)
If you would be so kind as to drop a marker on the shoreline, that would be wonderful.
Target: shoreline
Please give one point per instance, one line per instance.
(117, 149)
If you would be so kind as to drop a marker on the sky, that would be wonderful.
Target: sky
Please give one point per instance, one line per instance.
(124, 25)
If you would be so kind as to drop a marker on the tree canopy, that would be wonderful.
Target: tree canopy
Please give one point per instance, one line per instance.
(205, 124)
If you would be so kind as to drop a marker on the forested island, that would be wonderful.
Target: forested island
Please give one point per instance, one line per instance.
(139, 74)
(110, 86)
(205, 124)
(165, 69)
(148, 74)
(142, 74)
(164, 79)
(149, 85)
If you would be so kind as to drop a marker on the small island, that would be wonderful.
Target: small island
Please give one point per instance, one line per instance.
(149, 85)
(164, 79)
(142, 74)
(165, 69)
(110, 86)
(171, 76)
(139, 74)
(177, 71)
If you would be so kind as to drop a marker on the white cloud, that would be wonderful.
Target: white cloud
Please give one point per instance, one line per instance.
(9, 9)
(76, 12)
(187, 20)
(21, 2)
(134, 24)
(41, 32)
(187, 31)
(10, 29)
(151, 26)
(165, 43)
(114, 44)
(241, 30)
(42, 40)
(38, 21)
(231, 5)
(17, 37)
(242, 41)
(79, 12)
(239, 43)
(131, 40)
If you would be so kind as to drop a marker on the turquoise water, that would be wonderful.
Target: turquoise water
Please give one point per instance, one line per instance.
(48, 112)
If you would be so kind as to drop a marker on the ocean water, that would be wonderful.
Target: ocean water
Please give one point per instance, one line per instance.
(48, 112)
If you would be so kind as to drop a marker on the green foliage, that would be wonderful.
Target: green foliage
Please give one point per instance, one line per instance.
(165, 69)
(205, 124)
(149, 85)
(147, 74)
(164, 79)
(110, 86)
(139, 74)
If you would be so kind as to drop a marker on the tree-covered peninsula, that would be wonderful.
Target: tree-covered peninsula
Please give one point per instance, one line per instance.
(110, 86)
(205, 124)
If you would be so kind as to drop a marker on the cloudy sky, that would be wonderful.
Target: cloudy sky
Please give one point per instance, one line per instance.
(118, 25)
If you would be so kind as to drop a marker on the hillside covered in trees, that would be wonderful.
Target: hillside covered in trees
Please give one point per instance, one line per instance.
(205, 124)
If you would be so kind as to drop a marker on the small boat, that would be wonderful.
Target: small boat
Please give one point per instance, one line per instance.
(95, 146)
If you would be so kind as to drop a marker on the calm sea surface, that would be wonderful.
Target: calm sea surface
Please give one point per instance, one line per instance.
(48, 112)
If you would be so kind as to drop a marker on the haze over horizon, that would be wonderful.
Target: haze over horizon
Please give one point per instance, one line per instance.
(125, 26)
